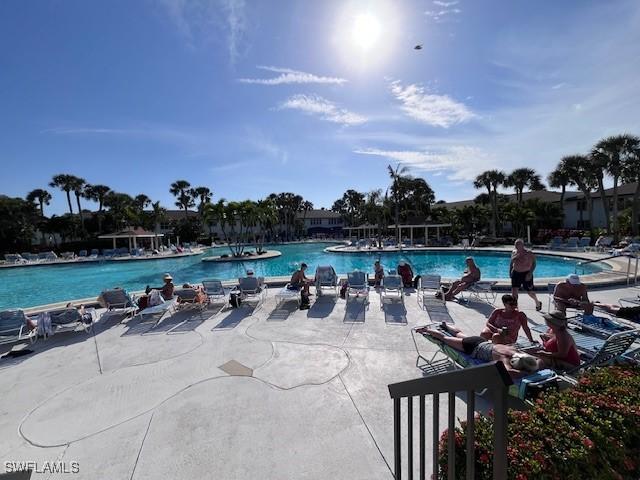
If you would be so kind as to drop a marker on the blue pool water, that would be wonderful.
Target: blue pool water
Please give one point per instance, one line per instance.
(31, 286)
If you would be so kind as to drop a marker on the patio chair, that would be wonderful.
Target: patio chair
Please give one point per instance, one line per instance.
(82, 253)
(189, 299)
(116, 299)
(30, 257)
(69, 319)
(326, 277)
(556, 243)
(571, 245)
(391, 286)
(252, 289)
(286, 294)
(429, 285)
(630, 300)
(14, 328)
(158, 310)
(482, 291)
(48, 256)
(216, 293)
(358, 284)
(612, 349)
(95, 253)
(585, 243)
(14, 258)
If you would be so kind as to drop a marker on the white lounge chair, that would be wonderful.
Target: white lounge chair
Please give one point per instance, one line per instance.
(429, 285)
(69, 319)
(14, 328)
(14, 258)
(358, 284)
(216, 293)
(252, 289)
(286, 294)
(188, 299)
(116, 299)
(326, 277)
(481, 291)
(391, 286)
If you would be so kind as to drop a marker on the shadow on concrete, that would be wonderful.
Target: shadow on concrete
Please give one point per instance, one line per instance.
(167, 324)
(283, 312)
(355, 310)
(481, 307)
(395, 312)
(437, 311)
(233, 318)
(323, 306)
(187, 326)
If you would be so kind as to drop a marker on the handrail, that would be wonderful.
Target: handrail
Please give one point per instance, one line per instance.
(491, 377)
(587, 262)
(488, 375)
(629, 255)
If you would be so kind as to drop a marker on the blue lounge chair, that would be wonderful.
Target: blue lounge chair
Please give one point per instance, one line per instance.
(252, 289)
(429, 286)
(14, 328)
(326, 277)
(358, 284)
(117, 299)
(216, 293)
(391, 286)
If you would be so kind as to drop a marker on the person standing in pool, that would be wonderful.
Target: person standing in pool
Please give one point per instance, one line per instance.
(523, 263)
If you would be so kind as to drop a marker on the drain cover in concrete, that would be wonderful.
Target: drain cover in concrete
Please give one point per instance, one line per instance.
(236, 368)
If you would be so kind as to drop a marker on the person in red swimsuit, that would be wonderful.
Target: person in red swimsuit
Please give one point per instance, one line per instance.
(504, 323)
(559, 347)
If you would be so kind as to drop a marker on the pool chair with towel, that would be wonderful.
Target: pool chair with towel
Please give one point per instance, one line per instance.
(447, 358)
(326, 278)
(428, 287)
(216, 293)
(253, 289)
(117, 299)
(391, 287)
(189, 298)
(482, 291)
(358, 284)
(14, 328)
(65, 320)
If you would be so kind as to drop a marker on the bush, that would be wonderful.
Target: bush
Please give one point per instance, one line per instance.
(588, 432)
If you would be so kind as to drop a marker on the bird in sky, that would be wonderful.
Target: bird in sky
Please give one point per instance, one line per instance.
(418, 47)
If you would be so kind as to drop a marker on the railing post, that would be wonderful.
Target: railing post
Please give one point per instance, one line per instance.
(410, 437)
(451, 455)
(436, 432)
(396, 439)
(423, 440)
(471, 454)
(500, 434)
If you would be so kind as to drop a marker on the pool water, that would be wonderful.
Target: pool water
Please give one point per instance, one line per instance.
(31, 286)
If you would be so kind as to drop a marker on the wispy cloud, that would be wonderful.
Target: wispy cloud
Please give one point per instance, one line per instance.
(462, 162)
(443, 11)
(288, 75)
(202, 20)
(323, 108)
(436, 110)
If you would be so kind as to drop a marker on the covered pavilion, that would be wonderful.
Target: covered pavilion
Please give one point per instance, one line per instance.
(132, 235)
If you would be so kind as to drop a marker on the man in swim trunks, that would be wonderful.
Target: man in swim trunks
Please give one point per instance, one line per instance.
(299, 280)
(523, 263)
(572, 293)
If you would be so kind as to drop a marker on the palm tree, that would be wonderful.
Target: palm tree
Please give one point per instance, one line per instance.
(491, 180)
(97, 193)
(43, 198)
(142, 201)
(65, 183)
(522, 178)
(155, 217)
(599, 160)
(305, 207)
(77, 185)
(180, 190)
(395, 174)
(631, 173)
(581, 174)
(614, 148)
(559, 178)
(203, 194)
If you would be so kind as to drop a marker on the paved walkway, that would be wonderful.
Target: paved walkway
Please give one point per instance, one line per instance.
(280, 394)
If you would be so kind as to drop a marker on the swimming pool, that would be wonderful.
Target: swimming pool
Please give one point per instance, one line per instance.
(31, 286)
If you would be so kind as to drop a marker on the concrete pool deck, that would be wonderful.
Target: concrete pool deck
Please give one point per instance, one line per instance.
(279, 394)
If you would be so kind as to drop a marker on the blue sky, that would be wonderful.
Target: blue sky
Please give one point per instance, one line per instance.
(314, 97)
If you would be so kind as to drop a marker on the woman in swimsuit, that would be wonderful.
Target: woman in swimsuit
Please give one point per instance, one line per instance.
(559, 347)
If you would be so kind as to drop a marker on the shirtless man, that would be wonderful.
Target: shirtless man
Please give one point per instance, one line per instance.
(299, 280)
(523, 263)
(573, 294)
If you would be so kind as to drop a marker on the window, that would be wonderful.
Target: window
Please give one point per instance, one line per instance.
(316, 221)
(334, 221)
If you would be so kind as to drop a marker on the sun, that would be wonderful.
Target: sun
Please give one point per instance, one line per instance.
(366, 31)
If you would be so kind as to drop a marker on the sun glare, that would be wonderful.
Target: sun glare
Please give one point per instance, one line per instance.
(366, 31)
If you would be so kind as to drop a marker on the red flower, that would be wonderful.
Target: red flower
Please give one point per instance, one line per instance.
(587, 442)
(522, 476)
(484, 458)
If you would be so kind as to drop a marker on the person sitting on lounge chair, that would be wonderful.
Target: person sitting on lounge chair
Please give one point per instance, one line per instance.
(572, 294)
(504, 323)
(560, 349)
(378, 273)
(470, 276)
(516, 363)
(166, 290)
(628, 313)
(405, 271)
(299, 280)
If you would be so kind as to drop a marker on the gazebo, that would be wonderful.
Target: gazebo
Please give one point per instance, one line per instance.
(426, 228)
(132, 235)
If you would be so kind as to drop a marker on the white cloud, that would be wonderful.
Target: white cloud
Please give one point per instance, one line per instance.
(323, 108)
(463, 162)
(445, 4)
(444, 12)
(236, 25)
(436, 110)
(288, 75)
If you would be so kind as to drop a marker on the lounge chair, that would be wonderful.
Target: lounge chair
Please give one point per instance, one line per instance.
(188, 299)
(599, 326)
(95, 253)
(48, 256)
(14, 258)
(216, 293)
(159, 310)
(326, 277)
(429, 285)
(571, 245)
(482, 291)
(630, 300)
(286, 294)
(612, 349)
(14, 328)
(68, 319)
(30, 257)
(556, 243)
(252, 289)
(584, 243)
(117, 299)
(391, 285)
(358, 284)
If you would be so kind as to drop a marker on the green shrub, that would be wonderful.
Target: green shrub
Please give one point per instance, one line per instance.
(588, 432)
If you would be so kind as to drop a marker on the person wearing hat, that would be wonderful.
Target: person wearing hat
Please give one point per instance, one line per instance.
(560, 349)
(166, 290)
(572, 293)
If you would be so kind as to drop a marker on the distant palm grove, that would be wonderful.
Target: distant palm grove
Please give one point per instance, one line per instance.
(280, 216)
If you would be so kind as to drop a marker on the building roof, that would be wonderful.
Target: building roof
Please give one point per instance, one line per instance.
(626, 189)
(318, 213)
(543, 195)
(137, 232)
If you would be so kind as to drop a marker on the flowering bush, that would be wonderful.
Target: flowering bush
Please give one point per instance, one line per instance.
(588, 432)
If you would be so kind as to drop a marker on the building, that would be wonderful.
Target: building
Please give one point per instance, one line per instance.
(321, 223)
